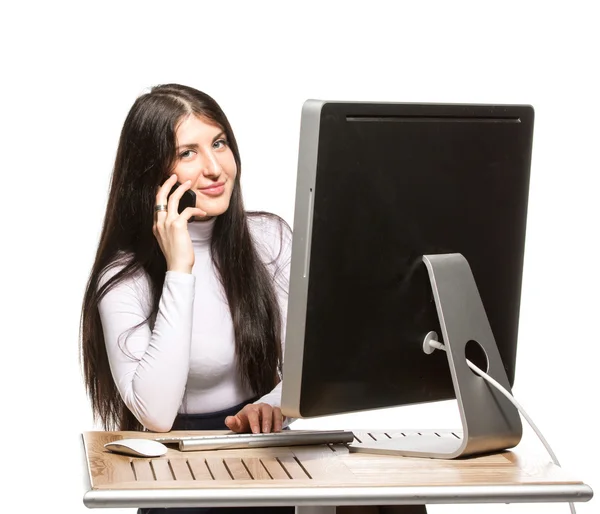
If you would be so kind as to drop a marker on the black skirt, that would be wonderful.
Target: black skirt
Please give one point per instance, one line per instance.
(212, 421)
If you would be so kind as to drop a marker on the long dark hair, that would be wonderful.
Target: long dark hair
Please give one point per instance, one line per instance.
(145, 155)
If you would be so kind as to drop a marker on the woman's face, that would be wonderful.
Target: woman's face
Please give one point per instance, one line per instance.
(204, 157)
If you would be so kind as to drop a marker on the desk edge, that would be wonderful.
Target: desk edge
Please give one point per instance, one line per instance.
(86, 471)
(337, 496)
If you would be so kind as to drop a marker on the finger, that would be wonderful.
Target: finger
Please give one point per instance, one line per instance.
(162, 198)
(188, 212)
(233, 423)
(277, 419)
(163, 191)
(173, 201)
(253, 420)
(267, 417)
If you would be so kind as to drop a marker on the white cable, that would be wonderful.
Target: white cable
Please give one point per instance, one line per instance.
(511, 398)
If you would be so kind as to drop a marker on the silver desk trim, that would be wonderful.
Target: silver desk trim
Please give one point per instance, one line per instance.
(360, 495)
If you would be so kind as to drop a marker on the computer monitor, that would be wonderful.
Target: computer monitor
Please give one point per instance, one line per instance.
(407, 214)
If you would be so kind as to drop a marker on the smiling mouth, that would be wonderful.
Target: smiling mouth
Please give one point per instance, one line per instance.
(215, 190)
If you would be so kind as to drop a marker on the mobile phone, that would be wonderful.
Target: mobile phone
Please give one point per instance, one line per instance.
(187, 200)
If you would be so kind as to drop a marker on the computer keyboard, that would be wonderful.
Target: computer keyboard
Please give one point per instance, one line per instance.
(262, 440)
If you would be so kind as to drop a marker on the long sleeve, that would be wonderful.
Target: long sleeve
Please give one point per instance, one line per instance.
(150, 365)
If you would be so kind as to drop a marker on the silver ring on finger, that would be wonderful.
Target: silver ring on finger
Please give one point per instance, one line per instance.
(160, 208)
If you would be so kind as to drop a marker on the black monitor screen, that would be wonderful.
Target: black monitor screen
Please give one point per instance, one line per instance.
(394, 182)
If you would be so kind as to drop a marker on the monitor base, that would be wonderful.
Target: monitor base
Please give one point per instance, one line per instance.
(490, 422)
(428, 445)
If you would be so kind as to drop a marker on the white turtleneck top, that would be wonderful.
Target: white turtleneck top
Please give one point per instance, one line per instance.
(185, 362)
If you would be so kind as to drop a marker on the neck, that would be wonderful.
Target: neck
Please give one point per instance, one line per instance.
(201, 231)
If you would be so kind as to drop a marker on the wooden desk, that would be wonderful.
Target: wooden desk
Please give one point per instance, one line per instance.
(310, 476)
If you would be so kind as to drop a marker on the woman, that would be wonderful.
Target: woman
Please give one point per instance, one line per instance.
(184, 313)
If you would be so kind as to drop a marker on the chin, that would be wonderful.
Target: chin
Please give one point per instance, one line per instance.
(214, 210)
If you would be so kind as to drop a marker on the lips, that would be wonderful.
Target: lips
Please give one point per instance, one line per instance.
(214, 190)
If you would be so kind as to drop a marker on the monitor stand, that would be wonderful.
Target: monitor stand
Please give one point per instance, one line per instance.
(490, 422)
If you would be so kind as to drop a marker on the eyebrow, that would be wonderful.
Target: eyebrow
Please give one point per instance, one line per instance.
(194, 146)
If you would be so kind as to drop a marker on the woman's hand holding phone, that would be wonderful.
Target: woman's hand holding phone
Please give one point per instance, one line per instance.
(170, 226)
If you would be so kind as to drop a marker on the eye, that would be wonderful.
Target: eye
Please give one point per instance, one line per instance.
(186, 154)
(219, 143)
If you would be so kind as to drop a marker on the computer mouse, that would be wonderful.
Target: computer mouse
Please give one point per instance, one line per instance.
(137, 447)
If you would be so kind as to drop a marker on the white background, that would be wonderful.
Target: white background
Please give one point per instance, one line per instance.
(70, 74)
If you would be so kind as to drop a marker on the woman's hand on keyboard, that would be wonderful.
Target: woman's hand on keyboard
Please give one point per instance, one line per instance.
(256, 418)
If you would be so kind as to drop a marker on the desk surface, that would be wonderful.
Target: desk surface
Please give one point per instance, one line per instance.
(315, 475)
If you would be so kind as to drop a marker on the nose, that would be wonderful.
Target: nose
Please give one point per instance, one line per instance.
(211, 168)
